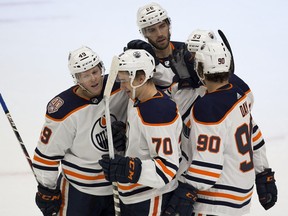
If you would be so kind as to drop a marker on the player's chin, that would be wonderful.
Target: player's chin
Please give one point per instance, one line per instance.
(162, 45)
(129, 93)
(95, 89)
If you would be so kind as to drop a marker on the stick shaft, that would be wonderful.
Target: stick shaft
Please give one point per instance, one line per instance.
(14, 128)
(107, 92)
(108, 128)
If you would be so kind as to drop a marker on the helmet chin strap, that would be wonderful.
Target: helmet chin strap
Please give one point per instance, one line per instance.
(134, 87)
(133, 93)
(84, 89)
(203, 81)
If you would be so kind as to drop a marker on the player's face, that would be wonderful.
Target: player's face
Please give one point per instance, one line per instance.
(158, 35)
(123, 78)
(92, 80)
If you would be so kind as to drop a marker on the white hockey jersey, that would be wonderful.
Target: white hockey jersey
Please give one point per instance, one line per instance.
(154, 128)
(185, 99)
(222, 167)
(74, 135)
(259, 149)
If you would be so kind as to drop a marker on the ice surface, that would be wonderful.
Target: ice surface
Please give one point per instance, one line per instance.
(36, 36)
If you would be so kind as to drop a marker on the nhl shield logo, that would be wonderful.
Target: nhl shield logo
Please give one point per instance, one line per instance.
(55, 104)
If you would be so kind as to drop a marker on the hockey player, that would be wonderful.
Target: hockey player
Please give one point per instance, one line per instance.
(74, 135)
(173, 62)
(146, 174)
(223, 165)
(197, 39)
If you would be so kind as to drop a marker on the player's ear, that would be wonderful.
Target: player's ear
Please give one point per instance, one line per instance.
(142, 79)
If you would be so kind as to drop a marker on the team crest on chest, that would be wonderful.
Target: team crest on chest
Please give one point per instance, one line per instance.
(55, 104)
(99, 133)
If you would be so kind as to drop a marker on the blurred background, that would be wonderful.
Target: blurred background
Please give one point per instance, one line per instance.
(37, 35)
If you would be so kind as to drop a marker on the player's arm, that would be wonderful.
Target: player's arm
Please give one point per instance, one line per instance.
(207, 147)
(51, 148)
(55, 138)
(265, 181)
(259, 150)
(207, 160)
(164, 147)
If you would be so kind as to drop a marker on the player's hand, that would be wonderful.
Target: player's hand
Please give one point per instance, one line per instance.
(48, 200)
(182, 200)
(119, 135)
(140, 44)
(121, 169)
(266, 188)
(183, 65)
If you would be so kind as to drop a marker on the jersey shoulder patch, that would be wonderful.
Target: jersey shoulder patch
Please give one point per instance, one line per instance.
(65, 103)
(212, 107)
(158, 110)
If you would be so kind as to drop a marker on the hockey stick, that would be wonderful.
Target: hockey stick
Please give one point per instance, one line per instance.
(9, 117)
(226, 42)
(107, 92)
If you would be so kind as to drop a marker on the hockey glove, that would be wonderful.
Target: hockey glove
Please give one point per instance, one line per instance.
(139, 44)
(181, 201)
(48, 200)
(119, 135)
(183, 65)
(266, 188)
(121, 169)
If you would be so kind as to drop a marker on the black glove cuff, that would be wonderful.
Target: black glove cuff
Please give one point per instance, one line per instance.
(267, 176)
(134, 171)
(47, 192)
(187, 192)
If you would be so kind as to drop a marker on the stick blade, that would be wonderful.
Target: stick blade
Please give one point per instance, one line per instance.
(112, 76)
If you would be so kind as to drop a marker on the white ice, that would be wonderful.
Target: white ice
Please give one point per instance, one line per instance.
(36, 36)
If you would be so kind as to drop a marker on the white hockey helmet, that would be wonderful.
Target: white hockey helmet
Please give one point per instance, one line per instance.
(197, 38)
(83, 59)
(150, 14)
(133, 60)
(215, 58)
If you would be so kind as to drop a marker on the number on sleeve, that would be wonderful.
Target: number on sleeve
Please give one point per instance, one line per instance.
(164, 143)
(212, 144)
(243, 142)
(45, 135)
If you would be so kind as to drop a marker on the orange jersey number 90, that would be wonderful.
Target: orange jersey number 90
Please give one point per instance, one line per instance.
(243, 144)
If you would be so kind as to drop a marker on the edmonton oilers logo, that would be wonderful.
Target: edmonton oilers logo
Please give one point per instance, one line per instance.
(99, 133)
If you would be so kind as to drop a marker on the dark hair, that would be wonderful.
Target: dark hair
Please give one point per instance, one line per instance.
(218, 77)
(215, 77)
